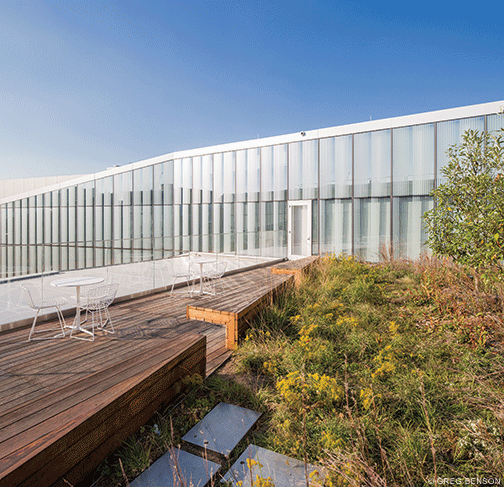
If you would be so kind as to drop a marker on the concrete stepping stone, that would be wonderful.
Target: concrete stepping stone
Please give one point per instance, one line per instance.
(221, 429)
(177, 468)
(283, 470)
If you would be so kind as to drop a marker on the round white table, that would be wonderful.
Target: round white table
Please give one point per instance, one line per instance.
(202, 261)
(77, 282)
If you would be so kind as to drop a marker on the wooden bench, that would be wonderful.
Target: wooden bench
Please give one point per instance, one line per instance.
(295, 267)
(236, 309)
(62, 435)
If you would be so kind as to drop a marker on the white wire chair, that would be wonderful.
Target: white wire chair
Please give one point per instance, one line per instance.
(97, 302)
(38, 303)
(214, 275)
(181, 269)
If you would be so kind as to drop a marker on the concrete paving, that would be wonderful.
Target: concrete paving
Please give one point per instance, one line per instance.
(283, 471)
(177, 468)
(221, 429)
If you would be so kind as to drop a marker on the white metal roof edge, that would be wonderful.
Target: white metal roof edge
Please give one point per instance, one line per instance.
(368, 126)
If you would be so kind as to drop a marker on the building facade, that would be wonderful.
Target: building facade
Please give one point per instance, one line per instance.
(351, 189)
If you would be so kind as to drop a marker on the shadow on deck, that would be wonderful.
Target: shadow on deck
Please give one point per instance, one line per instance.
(65, 404)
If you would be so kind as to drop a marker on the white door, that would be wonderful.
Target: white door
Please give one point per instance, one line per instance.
(299, 229)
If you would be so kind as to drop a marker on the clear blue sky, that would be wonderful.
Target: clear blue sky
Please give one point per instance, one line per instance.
(84, 86)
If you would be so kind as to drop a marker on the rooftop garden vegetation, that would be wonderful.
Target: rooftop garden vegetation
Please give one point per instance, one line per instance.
(386, 374)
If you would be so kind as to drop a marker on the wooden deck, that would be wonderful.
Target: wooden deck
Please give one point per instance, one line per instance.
(66, 403)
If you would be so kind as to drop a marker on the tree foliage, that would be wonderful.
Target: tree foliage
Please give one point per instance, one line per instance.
(467, 222)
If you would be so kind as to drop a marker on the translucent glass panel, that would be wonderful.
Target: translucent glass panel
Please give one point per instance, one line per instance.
(122, 226)
(409, 232)
(197, 180)
(207, 226)
(336, 167)
(495, 122)
(229, 177)
(123, 189)
(224, 227)
(16, 223)
(182, 180)
(14, 231)
(178, 192)
(103, 223)
(142, 224)
(24, 222)
(85, 194)
(55, 238)
(315, 227)
(103, 234)
(413, 153)
(39, 222)
(163, 183)
(248, 228)
(303, 170)
(163, 229)
(336, 226)
(274, 173)
(3, 241)
(196, 228)
(201, 227)
(248, 171)
(274, 228)
(218, 179)
(241, 175)
(207, 178)
(449, 133)
(224, 177)
(142, 186)
(104, 191)
(372, 164)
(8, 262)
(372, 227)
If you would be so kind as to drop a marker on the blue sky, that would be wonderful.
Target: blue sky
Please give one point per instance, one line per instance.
(84, 86)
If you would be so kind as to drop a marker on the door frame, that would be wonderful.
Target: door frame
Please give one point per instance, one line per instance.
(290, 228)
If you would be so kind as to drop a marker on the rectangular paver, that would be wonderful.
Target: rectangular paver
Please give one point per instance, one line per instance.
(222, 429)
(283, 470)
(177, 468)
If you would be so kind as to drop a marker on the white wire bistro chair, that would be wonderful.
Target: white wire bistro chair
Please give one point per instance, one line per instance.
(181, 269)
(214, 275)
(97, 302)
(39, 303)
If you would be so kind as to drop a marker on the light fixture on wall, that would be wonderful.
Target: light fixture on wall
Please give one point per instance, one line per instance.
(303, 134)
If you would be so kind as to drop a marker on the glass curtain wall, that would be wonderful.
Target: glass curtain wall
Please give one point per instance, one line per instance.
(366, 189)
